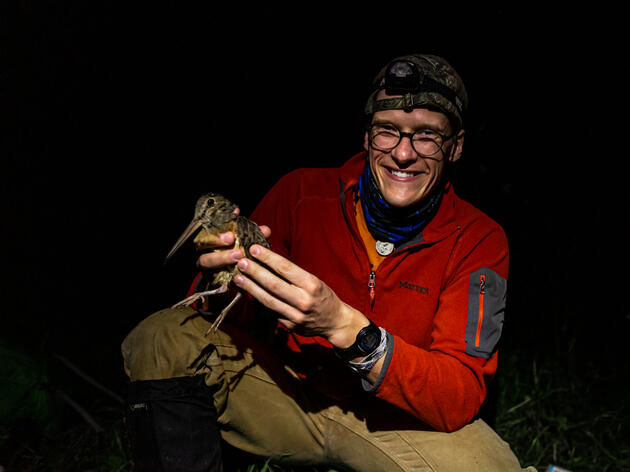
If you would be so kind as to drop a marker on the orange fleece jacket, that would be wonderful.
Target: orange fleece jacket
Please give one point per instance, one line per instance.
(441, 297)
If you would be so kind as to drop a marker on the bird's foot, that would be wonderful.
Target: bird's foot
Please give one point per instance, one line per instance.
(224, 312)
(200, 296)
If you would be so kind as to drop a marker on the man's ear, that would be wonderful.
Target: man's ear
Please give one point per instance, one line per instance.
(456, 151)
(366, 142)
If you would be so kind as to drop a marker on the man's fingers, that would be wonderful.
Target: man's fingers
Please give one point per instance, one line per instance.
(266, 231)
(281, 266)
(286, 281)
(269, 281)
(216, 259)
(219, 257)
(206, 240)
(287, 313)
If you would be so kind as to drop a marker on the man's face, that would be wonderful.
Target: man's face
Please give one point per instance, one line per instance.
(403, 176)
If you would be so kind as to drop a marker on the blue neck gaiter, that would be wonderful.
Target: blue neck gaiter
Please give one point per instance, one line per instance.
(388, 223)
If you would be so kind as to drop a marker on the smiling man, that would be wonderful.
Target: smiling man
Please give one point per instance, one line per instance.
(386, 293)
(407, 171)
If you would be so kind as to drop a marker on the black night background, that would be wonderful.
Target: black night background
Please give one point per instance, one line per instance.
(116, 117)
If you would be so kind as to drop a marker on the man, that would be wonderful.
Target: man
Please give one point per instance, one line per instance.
(388, 291)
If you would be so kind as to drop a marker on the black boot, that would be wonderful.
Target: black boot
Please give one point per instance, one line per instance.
(172, 425)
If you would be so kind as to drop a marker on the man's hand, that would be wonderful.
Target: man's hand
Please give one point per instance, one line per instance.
(220, 250)
(304, 303)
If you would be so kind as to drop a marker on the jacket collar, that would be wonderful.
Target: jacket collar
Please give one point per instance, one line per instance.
(351, 171)
(440, 226)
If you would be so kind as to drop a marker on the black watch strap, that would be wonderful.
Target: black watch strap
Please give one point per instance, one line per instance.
(365, 343)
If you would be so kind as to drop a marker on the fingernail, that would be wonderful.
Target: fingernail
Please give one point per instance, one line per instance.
(254, 250)
(226, 238)
(242, 264)
(238, 280)
(236, 255)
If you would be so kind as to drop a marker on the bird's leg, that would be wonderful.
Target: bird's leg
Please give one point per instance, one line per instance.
(224, 312)
(199, 296)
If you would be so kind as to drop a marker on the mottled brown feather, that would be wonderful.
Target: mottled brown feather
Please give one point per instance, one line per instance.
(215, 214)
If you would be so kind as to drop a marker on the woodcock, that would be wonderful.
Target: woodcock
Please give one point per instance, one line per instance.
(214, 214)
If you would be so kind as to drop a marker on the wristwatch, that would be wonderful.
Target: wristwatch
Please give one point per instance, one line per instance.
(366, 342)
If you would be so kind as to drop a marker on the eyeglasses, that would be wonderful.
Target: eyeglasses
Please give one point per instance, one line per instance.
(426, 142)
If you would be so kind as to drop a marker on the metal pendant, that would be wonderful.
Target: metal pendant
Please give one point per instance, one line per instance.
(384, 248)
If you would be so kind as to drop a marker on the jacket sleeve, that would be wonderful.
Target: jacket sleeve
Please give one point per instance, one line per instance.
(275, 211)
(445, 385)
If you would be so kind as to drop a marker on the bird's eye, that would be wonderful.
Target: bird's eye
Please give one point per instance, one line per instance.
(210, 201)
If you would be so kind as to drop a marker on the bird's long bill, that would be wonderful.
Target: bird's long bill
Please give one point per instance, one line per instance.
(192, 227)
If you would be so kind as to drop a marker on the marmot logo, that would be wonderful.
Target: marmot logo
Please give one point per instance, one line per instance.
(417, 288)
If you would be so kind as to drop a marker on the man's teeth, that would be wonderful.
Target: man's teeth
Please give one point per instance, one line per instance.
(400, 173)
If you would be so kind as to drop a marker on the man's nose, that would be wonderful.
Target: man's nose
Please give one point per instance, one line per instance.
(405, 152)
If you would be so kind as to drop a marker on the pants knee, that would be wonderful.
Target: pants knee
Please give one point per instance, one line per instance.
(157, 347)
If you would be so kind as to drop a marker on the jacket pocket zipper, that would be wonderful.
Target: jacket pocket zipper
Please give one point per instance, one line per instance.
(482, 291)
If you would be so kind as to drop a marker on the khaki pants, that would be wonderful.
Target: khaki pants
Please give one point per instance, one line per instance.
(265, 409)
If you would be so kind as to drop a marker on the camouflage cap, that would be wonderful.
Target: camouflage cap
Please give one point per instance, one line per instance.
(420, 80)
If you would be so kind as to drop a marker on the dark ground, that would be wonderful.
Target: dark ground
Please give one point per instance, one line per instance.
(116, 117)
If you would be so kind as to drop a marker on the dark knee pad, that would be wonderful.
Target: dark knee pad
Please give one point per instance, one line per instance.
(172, 425)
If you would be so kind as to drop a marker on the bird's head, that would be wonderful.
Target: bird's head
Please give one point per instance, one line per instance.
(214, 209)
(211, 209)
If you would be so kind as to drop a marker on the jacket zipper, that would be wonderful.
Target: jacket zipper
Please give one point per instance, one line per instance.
(371, 285)
(482, 291)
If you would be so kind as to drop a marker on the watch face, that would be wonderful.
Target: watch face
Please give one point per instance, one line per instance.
(370, 340)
